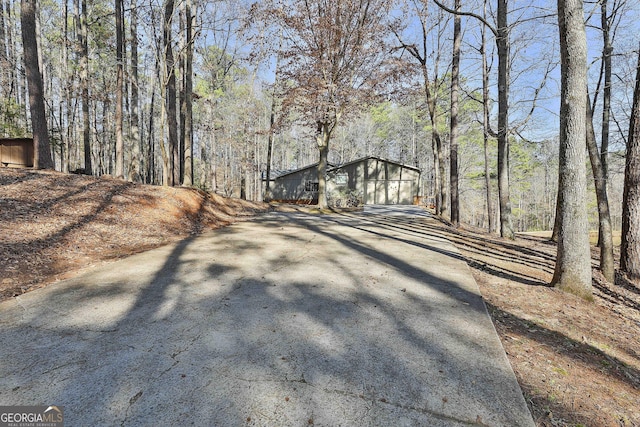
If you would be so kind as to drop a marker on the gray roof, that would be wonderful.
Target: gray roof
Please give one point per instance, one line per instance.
(375, 158)
(331, 167)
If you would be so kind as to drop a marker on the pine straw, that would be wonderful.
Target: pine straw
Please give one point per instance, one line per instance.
(53, 224)
(577, 362)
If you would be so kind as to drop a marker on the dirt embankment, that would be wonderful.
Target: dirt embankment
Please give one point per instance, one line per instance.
(577, 362)
(52, 224)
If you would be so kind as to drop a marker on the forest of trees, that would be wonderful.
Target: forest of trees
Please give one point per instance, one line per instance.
(481, 95)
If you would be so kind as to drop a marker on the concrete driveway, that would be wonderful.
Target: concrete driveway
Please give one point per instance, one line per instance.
(365, 319)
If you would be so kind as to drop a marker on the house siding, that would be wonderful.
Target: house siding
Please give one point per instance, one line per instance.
(388, 183)
(292, 187)
(366, 181)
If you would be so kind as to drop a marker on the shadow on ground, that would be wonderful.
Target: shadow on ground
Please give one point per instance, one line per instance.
(290, 319)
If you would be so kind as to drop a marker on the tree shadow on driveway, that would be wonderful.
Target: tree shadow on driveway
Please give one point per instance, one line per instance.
(286, 320)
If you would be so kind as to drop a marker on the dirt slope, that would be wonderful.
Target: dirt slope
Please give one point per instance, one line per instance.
(578, 363)
(52, 224)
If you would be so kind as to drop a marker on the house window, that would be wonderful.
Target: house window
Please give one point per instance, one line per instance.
(342, 179)
(311, 186)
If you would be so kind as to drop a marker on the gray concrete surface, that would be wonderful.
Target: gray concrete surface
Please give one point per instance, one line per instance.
(287, 320)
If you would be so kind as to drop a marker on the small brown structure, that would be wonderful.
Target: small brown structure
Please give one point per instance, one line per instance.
(16, 152)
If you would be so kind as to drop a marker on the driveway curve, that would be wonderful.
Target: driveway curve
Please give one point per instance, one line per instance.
(290, 319)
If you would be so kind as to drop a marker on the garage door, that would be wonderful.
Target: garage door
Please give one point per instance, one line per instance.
(389, 192)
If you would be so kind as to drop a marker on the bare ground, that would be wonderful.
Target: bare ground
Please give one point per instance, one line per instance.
(577, 362)
(53, 224)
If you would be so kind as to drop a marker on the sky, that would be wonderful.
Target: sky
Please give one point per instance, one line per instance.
(535, 60)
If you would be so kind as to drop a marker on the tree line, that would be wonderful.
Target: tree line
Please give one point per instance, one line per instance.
(221, 94)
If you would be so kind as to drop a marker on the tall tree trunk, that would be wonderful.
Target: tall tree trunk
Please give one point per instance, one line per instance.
(167, 174)
(165, 152)
(188, 98)
(204, 167)
(170, 82)
(244, 161)
(136, 139)
(16, 87)
(436, 177)
(420, 53)
(438, 148)
(18, 79)
(485, 123)
(443, 206)
(41, 67)
(151, 143)
(119, 11)
(213, 163)
(101, 168)
(272, 118)
(573, 263)
(182, 106)
(630, 249)
(8, 83)
(5, 82)
(151, 147)
(607, 51)
(13, 75)
(107, 147)
(270, 140)
(83, 54)
(556, 221)
(255, 168)
(68, 83)
(323, 135)
(605, 238)
(453, 142)
(42, 149)
(502, 41)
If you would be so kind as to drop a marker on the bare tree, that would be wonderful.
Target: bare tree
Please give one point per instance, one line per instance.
(502, 41)
(573, 263)
(119, 12)
(135, 169)
(4, 56)
(170, 101)
(607, 51)
(16, 83)
(271, 138)
(333, 55)
(69, 79)
(42, 149)
(188, 96)
(501, 33)
(630, 248)
(486, 126)
(453, 137)
(420, 52)
(82, 52)
(605, 235)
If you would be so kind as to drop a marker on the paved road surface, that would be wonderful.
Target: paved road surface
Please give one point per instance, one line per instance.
(366, 319)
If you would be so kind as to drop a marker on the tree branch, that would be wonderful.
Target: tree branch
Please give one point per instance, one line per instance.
(473, 15)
